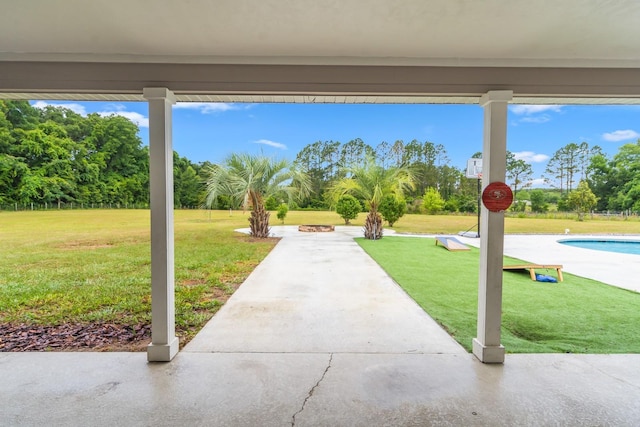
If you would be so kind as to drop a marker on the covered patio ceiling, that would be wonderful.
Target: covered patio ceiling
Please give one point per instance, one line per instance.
(327, 51)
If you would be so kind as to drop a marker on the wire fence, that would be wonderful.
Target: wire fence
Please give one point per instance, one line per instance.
(71, 205)
(605, 215)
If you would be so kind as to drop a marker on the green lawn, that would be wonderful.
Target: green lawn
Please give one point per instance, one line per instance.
(447, 224)
(86, 266)
(577, 316)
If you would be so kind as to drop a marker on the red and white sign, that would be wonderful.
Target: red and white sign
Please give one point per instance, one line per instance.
(497, 197)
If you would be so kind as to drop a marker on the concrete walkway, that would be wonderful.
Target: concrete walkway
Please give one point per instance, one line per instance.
(321, 293)
(318, 336)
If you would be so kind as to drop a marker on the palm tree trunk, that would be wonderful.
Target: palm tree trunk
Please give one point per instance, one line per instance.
(373, 226)
(259, 218)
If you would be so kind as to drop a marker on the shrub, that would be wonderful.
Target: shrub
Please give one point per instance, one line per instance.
(282, 211)
(468, 204)
(519, 206)
(392, 208)
(452, 205)
(413, 205)
(563, 204)
(538, 203)
(270, 203)
(348, 207)
(224, 202)
(432, 202)
(582, 199)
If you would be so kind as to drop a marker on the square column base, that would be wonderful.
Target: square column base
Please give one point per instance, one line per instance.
(162, 352)
(488, 354)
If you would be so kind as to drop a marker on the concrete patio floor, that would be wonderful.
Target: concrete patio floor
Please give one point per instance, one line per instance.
(319, 335)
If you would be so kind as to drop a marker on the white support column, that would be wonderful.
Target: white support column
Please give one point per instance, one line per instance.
(164, 343)
(486, 346)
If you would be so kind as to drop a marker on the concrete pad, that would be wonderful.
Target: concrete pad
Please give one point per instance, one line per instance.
(302, 389)
(121, 389)
(320, 292)
(455, 390)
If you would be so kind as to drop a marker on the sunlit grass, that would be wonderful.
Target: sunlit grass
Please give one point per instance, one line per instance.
(448, 224)
(578, 315)
(94, 265)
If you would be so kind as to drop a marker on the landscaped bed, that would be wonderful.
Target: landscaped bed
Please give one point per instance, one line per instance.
(575, 316)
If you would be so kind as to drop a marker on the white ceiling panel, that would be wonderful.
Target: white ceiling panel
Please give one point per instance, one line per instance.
(576, 33)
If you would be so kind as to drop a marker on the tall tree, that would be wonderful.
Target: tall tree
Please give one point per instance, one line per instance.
(321, 161)
(566, 163)
(519, 173)
(625, 177)
(354, 152)
(186, 183)
(397, 153)
(55, 155)
(383, 154)
(46, 150)
(600, 182)
(413, 152)
(555, 172)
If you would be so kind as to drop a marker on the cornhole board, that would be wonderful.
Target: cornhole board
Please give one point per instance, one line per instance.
(451, 243)
(532, 269)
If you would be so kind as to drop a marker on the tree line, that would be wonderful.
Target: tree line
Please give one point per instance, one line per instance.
(440, 186)
(56, 156)
(328, 162)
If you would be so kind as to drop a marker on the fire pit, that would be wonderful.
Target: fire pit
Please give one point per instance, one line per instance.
(314, 228)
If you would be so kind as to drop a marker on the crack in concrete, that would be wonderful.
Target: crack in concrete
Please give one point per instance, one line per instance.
(612, 376)
(304, 403)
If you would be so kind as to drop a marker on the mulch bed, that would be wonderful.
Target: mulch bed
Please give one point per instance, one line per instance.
(74, 337)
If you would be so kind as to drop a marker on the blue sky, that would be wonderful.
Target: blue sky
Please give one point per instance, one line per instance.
(211, 131)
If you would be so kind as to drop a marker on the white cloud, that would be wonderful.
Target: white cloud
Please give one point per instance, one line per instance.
(212, 107)
(538, 183)
(534, 109)
(115, 107)
(111, 109)
(136, 118)
(620, 135)
(535, 113)
(76, 108)
(531, 157)
(536, 119)
(271, 143)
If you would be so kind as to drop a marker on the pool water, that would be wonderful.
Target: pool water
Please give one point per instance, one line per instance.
(608, 245)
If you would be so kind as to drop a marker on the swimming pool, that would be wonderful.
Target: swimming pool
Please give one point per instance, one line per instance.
(608, 245)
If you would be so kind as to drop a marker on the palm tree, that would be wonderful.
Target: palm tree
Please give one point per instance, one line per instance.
(371, 182)
(248, 179)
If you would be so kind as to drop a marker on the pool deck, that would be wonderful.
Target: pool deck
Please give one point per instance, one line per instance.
(616, 269)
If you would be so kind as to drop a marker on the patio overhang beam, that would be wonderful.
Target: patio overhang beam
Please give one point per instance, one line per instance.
(195, 81)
